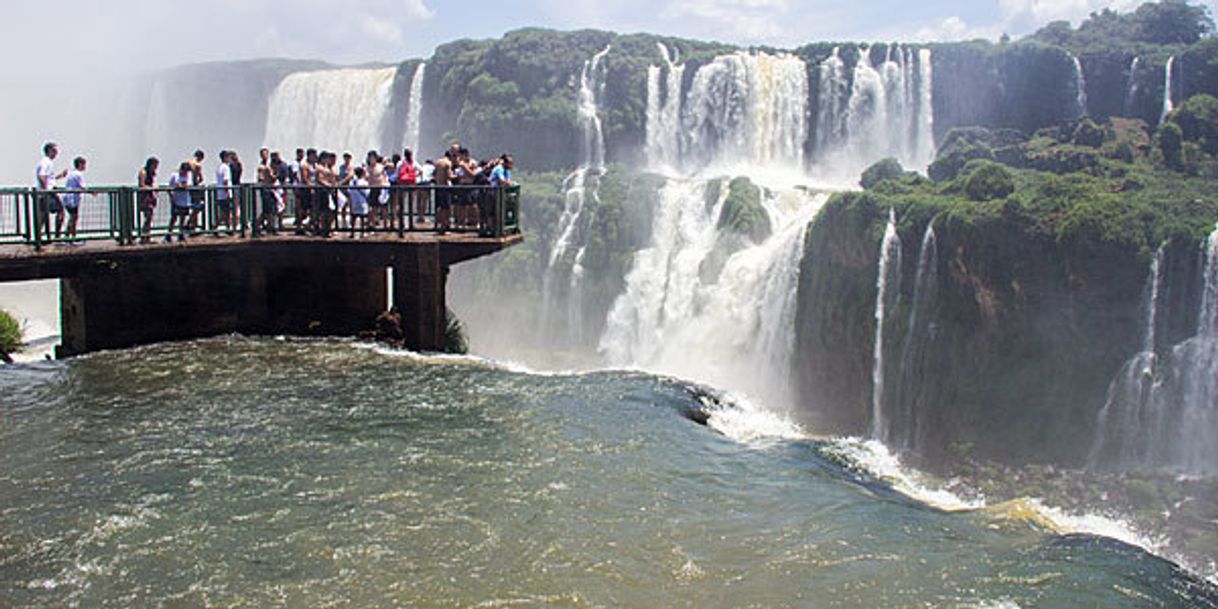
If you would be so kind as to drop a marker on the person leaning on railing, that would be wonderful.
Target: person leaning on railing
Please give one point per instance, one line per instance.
(48, 203)
(179, 183)
(146, 182)
(71, 201)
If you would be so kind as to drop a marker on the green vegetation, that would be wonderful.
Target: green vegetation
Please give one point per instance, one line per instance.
(743, 213)
(455, 341)
(10, 333)
(989, 181)
(1168, 22)
(887, 169)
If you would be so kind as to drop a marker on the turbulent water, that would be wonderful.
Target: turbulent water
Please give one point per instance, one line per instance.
(338, 110)
(246, 473)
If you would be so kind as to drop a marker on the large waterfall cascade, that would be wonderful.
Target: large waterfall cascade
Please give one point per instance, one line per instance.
(731, 329)
(341, 110)
(1169, 103)
(1080, 87)
(1162, 407)
(580, 193)
(414, 112)
(874, 113)
(887, 285)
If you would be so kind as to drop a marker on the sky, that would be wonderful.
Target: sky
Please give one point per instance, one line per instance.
(115, 36)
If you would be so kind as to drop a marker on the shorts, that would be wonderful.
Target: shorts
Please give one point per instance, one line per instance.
(49, 203)
(270, 203)
(374, 198)
(180, 210)
(304, 199)
(444, 198)
(196, 205)
(72, 210)
(225, 205)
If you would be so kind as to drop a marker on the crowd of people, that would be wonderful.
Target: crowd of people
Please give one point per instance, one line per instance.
(326, 195)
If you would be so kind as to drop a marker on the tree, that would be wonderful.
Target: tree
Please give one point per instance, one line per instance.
(1172, 22)
(988, 182)
(887, 169)
(10, 333)
(1198, 121)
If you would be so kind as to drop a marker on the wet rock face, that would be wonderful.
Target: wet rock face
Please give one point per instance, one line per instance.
(1018, 344)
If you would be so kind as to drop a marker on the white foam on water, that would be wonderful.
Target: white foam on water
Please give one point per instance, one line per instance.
(874, 458)
(742, 420)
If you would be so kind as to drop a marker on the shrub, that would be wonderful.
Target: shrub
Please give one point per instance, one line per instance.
(988, 182)
(10, 333)
(887, 169)
(455, 341)
(1171, 145)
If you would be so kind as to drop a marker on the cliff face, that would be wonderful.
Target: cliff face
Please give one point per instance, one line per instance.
(1014, 352)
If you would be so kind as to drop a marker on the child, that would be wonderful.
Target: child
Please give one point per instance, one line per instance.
(358, 194)
(71, 201)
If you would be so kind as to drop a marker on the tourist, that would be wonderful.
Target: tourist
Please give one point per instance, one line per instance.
(146, 182)
(378, 195)
(358, 195)
(268, 207)
(305, 192)
(71, 201)
(48, 203)
(238, 171)
(198, 196)
(442, 179)
(224, 191)
(501, 175)
(324, 202)
(395, 194)
(182, 206)
(408, 178)
(345, 176)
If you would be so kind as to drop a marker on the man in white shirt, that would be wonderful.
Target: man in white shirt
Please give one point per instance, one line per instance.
(48, 203)
(224, 194)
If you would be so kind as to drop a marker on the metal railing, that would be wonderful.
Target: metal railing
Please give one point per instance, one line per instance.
(128, 215)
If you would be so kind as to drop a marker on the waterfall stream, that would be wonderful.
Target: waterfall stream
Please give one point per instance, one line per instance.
(414, 113)
(340, 110)
(887, 281)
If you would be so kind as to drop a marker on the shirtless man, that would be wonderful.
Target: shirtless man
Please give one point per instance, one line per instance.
(266, 184)
(197, 195)
(324, 202)
(442, 179)
(306, 194)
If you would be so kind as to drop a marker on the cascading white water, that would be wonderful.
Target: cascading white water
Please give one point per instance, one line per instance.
(747, 107)
(907, 428)
(875, 113)
(1080, 87)
(339, 110)
(663, 129)
(1163, 411)
(158, 121)
(732, 329)
(414, 112)
(1121, 437)
(1132, 95)
(1168, 103)
(580, 190)
(889, 268)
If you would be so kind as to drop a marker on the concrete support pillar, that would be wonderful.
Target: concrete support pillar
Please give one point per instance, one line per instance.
(419, 286)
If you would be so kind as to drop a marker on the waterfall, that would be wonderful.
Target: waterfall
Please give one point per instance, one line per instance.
(1168, 104)
(747, 108)
(340, 110)
(663, 129)
(732, 329)
(1163, 411)
(158, 121)
(580, 189)
(414, 112)
(874, 113)
(1131, 96)
(907, 428)
(1122, 421)
(1080, 87)
(889, 264)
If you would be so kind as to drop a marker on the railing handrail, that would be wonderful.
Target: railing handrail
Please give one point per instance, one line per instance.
(493, 210)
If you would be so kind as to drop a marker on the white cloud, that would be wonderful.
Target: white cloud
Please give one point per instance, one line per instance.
(1022, 15)
(759, 19)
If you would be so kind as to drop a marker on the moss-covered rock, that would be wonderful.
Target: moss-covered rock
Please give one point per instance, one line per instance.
(886, 169)
(743, 214)
(989, 181)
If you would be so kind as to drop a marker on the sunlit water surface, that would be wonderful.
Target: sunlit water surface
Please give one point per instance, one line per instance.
(263, 473)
